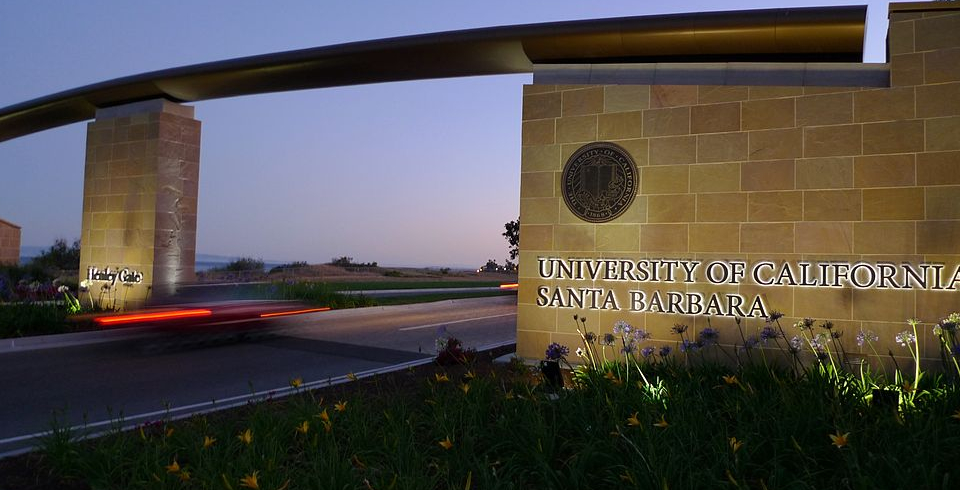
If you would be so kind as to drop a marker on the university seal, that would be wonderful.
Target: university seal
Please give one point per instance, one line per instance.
(599, 182)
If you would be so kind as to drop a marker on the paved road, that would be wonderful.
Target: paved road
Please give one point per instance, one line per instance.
(100, 381)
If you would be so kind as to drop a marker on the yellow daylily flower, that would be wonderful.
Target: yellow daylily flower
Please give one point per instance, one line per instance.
(632, 420)
(304, 427)
(173, 467)
(840, 440)
(246, 437)
(184, 475)
(352, 377)
(731, 380)
(208, 441)
(142, 435)
(470, 375)
(324, 416)
(509, 396)
(441, 378)
(296, 382)
(446, 443)
(735, 444)
(662, 423)
(340, 406)
(250, 481)
(907, 386)
(609, 375)
(327, 426)
(169, 432)
(465, 388)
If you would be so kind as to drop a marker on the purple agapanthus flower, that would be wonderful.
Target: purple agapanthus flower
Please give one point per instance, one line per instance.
(769, 333)
(640, 335)
(678, 328)
(905, 338)
(646, 351)
(665, 351)
(608, 339)
(708, 336)
(621, 327)
(751, 342)
(556, 351)
(866, 336)
(796, 343)
(689, 346)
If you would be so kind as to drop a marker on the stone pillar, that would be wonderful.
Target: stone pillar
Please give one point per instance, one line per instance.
(140, 202)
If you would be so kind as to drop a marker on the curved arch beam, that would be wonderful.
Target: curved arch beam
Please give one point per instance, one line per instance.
(799, 35)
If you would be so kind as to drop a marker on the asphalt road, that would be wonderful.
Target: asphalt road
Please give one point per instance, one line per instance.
(143, 378)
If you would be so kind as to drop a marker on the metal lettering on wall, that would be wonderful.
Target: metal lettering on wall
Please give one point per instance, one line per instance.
(599, 182)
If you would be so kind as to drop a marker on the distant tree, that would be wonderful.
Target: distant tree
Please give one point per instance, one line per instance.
(59, 256)
(342, 261)
(245, 264)
(492, 266)
(513, 237)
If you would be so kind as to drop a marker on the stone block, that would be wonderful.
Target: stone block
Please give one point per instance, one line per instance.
(715, 177)
(715, 118)
(941, 66)
(825, 173)
(885, 171)
(938, 168)
(577, 129)
(721, 147)
(768, 175)
(943, 202)
(715, 237)
(938, 100)
(618, 238)
(620, 125)
(673, 95)
(885, 104)
(582, 101)
(829, 237)
(904, 203)
(664, 238)
(671, 208)
(893, 137)
(540, 158)
(883, 304)
(766, 238)
(673, 150)
(625, 98)
(530, 89)
(539, 210)
(906, 69)
(538, 184)
(665, 179)
(937, 33)
(943, 133)
(574, 238)
(772, 92)
(711, 94)
(539, 132)
(821, 110)
(722, 207)
(828, 141)
(832, 205)
(541, 106)
(769, 114)
(900, 37)
(823, 303)
(776, 144)
(775, 206)
(637, 148)
(666, 122)
(536, 237)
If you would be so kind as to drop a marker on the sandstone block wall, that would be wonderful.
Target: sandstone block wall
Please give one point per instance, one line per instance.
(9, 243)
(753, 173)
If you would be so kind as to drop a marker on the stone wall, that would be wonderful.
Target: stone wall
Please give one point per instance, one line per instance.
(759, 173)
(9, 243)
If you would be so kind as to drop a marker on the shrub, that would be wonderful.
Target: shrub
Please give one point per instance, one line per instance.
(244, 264)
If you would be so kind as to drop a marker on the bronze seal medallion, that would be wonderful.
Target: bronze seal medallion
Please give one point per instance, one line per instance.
(599, 182)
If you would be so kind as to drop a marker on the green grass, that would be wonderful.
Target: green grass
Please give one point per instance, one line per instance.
(427, 298)
(510, 432)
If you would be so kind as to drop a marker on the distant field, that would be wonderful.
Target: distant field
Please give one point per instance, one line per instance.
(379, 285)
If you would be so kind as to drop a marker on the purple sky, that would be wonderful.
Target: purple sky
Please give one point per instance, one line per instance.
(412, 173)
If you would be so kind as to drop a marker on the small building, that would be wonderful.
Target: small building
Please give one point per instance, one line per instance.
(9, 243)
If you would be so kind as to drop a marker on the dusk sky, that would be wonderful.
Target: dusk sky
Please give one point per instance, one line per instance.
(413, 173)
